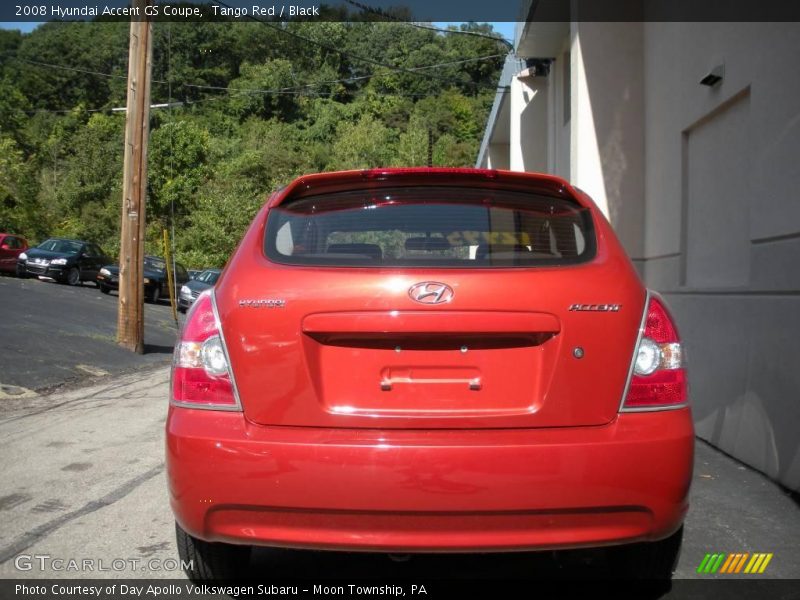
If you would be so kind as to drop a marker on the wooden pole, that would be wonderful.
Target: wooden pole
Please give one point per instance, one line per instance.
(130, 318)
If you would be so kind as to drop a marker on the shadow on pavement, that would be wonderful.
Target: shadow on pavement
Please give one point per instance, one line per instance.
(578, 570)
(157, 349)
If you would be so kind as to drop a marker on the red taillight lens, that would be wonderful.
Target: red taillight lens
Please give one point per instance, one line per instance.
(659, 374)
(201, 375)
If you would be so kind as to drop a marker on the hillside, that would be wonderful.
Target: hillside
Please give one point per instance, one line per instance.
(260, 104)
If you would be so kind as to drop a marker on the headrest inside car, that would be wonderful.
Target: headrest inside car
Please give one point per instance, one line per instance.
(427, 244)
(371, 250)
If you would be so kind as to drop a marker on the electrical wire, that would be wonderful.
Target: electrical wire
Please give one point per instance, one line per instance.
(384, 14)
(341, 52)
(263, 91)
(225, 97)
(75, 69)
(173, 293)
(343, 80)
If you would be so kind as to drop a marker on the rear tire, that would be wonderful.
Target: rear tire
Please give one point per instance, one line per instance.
(155, 294)
(104, 288)
(21, 272)
(210, 560)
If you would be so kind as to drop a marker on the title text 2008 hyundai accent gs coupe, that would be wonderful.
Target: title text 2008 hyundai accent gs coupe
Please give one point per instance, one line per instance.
(429, 360)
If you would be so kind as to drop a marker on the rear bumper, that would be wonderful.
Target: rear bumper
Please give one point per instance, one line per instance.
(428, 491)
(112, 283)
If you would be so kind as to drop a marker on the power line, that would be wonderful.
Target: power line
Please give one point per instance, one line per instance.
(382, 13)
(343, 80)
(341, 52)
(65, 68)
(285, 90)
(75, 69)
(225, 97)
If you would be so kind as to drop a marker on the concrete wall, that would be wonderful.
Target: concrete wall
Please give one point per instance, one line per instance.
(702, 185)
(529, 116)
(607, 123)
(722, 227)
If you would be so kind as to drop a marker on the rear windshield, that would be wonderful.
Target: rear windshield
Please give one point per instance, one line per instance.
(430, 227)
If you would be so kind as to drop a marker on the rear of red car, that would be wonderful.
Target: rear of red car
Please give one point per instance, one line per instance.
(423, 360)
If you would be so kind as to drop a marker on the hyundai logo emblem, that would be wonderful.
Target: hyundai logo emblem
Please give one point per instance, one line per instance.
(431, 292)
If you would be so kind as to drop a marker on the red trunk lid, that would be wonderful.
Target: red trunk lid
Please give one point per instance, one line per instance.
(348, 345)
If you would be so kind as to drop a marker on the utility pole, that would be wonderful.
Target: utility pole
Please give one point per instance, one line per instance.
(130, 318)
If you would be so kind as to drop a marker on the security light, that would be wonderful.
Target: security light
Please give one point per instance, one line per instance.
(714, 76)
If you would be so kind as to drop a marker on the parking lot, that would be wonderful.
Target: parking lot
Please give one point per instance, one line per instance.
(56, 334)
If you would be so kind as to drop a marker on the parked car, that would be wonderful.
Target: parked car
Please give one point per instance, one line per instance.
(429, 360)
(192, 288)
(67, 261)
(194, 273)
(11, 246)
(155, 278)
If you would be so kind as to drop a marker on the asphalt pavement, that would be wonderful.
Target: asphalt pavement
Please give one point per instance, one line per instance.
(83, 478)
(83, 473)
(54, 334)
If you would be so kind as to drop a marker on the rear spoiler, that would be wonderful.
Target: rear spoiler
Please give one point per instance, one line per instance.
(324, 183)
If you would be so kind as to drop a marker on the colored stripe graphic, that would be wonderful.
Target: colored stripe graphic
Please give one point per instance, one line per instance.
(740, 564)
(734, 563)
(765, 563)
(704, 564)
(755, 562)
(728, 563)
(717, 563)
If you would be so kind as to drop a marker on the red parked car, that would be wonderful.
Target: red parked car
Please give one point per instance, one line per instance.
(429, 360)
(11, 246)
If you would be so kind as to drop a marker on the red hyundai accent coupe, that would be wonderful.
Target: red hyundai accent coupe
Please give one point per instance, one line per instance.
(429, 360)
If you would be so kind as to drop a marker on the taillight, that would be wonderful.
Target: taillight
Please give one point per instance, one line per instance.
(201, 373)
(658, 378)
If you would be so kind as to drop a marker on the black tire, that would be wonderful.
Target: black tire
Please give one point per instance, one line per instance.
(21, 272)
(651, 561)
(211, 560)
(73, 276)
(154, 295)
(104, 288)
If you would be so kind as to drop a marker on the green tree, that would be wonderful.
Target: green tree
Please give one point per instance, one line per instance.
(176, 167)
(361, 145)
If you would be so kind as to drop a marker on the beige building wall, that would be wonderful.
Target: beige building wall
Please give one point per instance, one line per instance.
(722, 226)
(701, 183)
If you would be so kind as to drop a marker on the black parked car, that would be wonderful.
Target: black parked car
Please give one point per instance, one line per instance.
(155, 278)
(66, 261)
(191, 289)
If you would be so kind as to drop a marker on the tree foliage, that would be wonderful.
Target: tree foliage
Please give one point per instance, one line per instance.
(260, 104)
